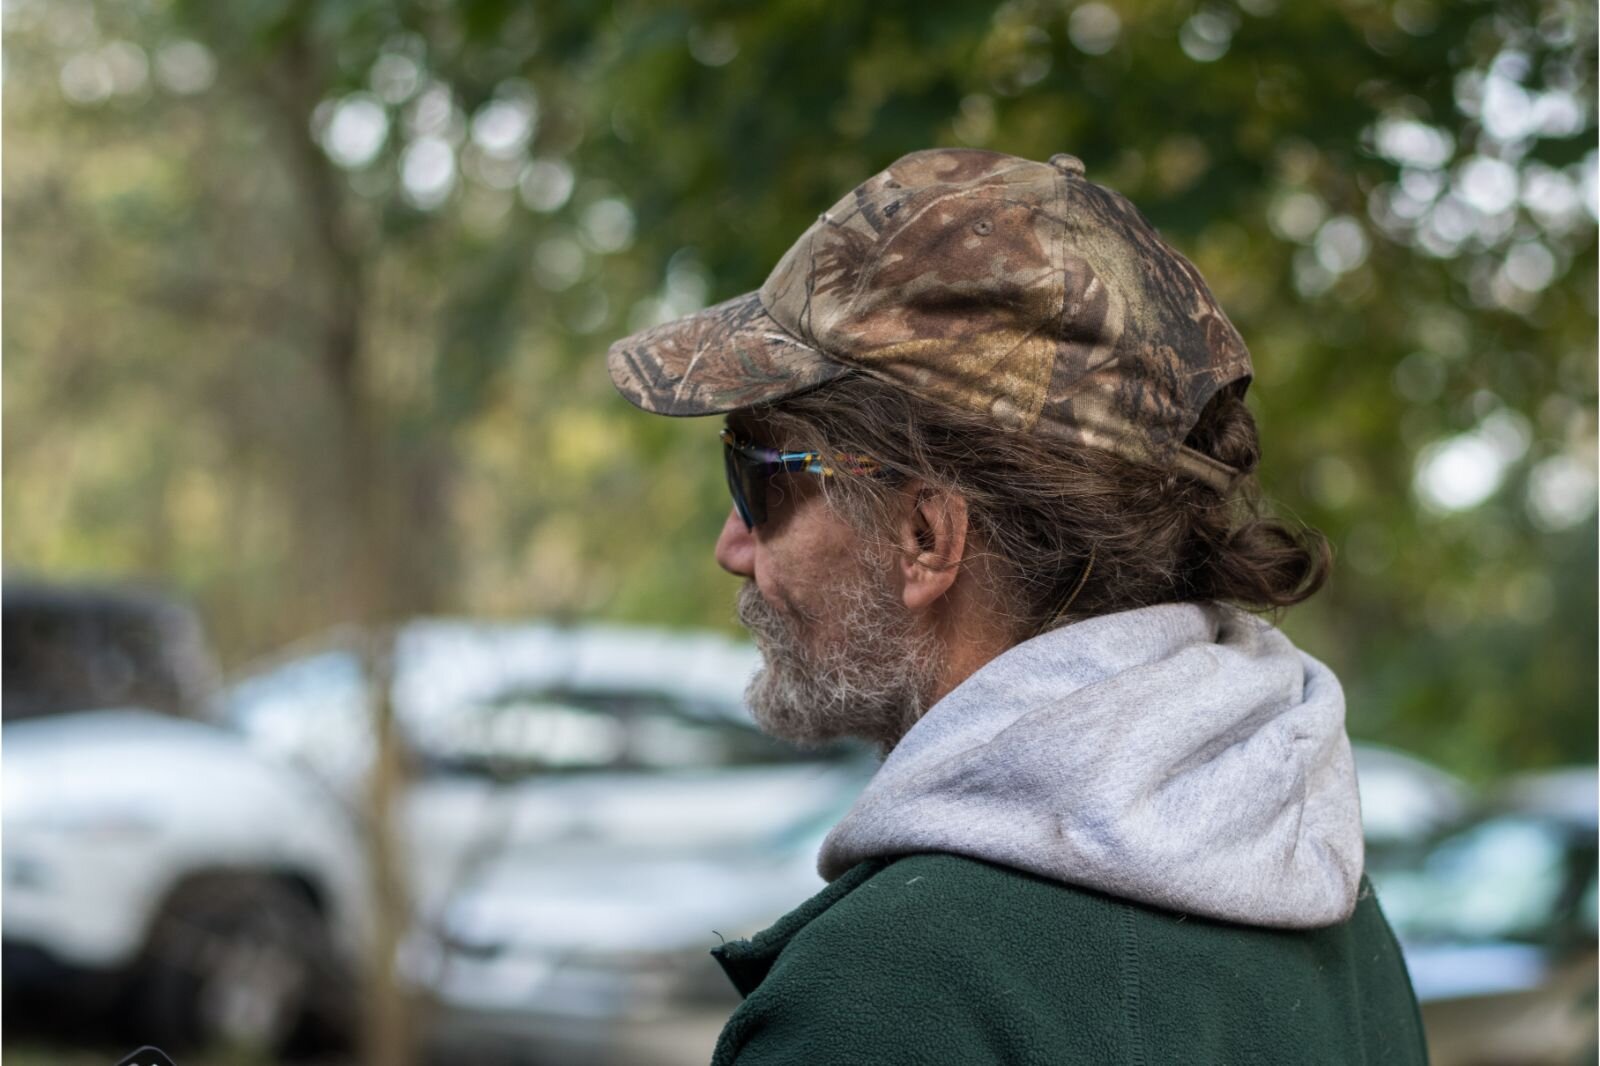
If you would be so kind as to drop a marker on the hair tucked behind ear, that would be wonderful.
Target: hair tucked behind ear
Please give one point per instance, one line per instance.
(1064, 522)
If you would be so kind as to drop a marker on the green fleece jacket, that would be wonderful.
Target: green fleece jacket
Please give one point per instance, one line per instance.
(936, 958)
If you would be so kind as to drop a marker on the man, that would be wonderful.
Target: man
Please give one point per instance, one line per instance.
(995, 509)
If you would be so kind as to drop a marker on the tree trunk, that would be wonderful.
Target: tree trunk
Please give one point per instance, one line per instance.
(366, 540)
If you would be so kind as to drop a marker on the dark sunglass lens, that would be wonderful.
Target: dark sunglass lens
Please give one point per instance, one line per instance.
(753, 475)
(745, 501)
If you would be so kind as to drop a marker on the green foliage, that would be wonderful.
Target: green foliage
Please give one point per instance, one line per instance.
(254, 243)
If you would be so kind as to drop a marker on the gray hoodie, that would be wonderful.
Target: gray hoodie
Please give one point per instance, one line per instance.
(1185, 755)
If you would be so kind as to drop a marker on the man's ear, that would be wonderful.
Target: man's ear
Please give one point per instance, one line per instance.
(932, 538)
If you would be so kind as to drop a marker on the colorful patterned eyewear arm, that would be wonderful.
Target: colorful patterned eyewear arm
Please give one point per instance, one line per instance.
(801, 462)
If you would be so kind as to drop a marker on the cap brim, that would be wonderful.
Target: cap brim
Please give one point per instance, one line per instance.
(725, 358)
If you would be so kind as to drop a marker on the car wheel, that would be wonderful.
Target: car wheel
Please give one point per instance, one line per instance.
(233, 962)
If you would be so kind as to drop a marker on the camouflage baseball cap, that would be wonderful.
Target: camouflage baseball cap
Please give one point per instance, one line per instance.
(1017, 289)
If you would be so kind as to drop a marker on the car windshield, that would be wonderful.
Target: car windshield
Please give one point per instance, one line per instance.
(506, 717)
(1505, 878)
(578, 731)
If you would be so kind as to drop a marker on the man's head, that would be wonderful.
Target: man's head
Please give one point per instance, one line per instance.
(852, 573)
(1024, 409)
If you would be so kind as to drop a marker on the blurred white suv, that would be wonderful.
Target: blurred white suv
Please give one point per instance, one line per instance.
(156, 866)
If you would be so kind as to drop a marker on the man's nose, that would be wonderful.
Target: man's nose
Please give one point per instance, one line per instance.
(736, 548)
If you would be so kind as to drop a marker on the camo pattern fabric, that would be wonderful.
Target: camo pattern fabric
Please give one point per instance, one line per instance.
(1013, 288)
(726, 357)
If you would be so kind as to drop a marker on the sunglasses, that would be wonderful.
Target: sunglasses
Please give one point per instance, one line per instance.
(750, 466)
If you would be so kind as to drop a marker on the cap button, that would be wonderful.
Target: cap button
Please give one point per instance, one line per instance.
(1067, 164)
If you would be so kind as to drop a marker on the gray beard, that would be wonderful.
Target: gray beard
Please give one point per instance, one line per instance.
(867, 673)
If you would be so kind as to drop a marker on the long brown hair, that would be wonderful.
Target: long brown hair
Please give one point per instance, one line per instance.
(1063, 522)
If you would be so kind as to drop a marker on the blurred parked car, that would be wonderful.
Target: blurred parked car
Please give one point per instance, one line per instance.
(1498, 923)
(594, 947)
(155, 865)
(589, 808)
(1405, 800)
(84, 647)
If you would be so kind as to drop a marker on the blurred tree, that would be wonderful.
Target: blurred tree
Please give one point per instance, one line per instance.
(308, 301)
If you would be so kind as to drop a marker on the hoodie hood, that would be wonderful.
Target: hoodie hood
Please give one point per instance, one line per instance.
(1185, 755)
